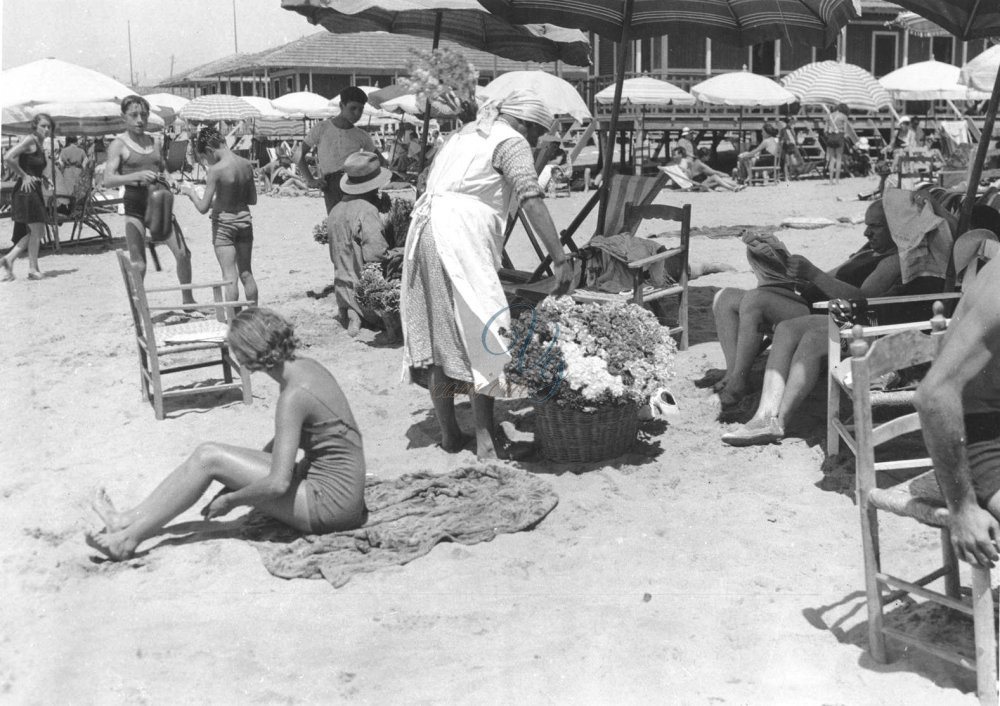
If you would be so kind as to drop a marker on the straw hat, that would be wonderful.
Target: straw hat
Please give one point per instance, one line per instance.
(363, 173)
(904, 119)
(967, 246)
(685, 130)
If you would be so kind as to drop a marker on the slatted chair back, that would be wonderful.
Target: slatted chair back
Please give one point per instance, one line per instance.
(630, 190)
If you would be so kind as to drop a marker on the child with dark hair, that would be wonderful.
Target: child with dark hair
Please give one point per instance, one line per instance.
(324, 492)
(229, 191)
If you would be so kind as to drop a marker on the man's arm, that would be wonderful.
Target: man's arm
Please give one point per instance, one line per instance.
(972, 342)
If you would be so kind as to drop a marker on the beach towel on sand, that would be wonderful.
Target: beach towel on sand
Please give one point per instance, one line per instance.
(407, 516)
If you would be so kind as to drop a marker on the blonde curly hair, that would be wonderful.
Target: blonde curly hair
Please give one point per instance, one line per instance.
(262, 338)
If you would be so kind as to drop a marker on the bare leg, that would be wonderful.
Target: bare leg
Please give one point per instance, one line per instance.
(726, 307)
(8, 260)
(135, 241)
(232, 466)
(34, 243)
(226, 255)
(486, 432)
(244, 253)
(353, 322)
(183, 257)
(805, 367)
(443, 392)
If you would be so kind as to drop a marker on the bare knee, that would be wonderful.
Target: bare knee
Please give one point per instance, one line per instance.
(207, 456)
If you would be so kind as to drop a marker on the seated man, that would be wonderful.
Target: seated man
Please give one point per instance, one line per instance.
(959, 406)
(709, 178)
(762, 155)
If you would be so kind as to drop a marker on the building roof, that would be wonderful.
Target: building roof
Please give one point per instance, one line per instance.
(208, 73)
(362, 52)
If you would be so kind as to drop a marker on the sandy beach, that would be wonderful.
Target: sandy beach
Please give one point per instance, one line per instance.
(685, 572)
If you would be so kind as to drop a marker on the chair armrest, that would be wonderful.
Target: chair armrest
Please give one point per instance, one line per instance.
(878, 301)
(642, 262)
(206, 305)
(185, 287)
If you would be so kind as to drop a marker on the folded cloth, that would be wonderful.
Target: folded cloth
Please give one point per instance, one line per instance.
(923, 237)
(678, 176)
(768, 257)
(609, 271)
(407, 516)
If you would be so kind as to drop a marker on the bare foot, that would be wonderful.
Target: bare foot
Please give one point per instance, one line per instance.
(36, 274)
(455, 443)
(114, 546)
(353, 323)
(105, 509)
(730, 396)
(8, 271)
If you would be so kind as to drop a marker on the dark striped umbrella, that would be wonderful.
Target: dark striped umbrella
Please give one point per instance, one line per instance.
(741, 22)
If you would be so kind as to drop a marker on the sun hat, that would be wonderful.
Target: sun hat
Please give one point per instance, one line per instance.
(685, 130)
(967, 245)
(363, 173)
(904, 119)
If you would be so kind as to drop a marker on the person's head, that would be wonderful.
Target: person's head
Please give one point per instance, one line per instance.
(679, 153)
(984, 216)
(352, 104)
(363, 174)
(686, 133)
(529, 111)
(207, 144)
(261, 339)
(877, 228)
(71, 139)
(43, 125)
(771, 130)
(904, 123)
(842, 108)
(135, 110)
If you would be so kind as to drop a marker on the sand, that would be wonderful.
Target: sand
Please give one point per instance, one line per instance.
(686, 572)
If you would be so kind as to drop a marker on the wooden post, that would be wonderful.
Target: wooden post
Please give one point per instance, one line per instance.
(606, 165)
(977, 166)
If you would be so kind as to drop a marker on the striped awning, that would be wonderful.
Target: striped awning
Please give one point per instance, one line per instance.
(742, 88)
(464, 22)
(646, 91)
(743, 22)
(217, 107)
(834, 82)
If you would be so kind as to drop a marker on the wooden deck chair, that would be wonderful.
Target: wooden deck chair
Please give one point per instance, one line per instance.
(83, 212)
(199, 340)
(176, 158)
(622, 189)
(642, 292)
(915, 166)
(919, 499)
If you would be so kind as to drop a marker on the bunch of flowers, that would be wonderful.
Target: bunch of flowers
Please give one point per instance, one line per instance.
(375, 292)
(443, 75)
(589, 355)
(320, 234)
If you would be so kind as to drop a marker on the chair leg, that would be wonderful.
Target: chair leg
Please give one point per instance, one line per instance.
(873, 593)
(682, 313)
(986, 637)
(952, 584)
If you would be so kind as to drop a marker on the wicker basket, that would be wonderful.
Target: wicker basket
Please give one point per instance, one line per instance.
(568, 434)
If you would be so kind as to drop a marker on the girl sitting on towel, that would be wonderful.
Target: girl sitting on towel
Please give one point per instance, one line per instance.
(324, 492)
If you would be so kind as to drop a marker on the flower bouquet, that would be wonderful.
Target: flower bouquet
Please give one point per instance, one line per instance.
(444, 76)
(589, 367)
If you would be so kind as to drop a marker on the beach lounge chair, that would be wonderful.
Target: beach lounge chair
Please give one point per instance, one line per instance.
(200, 344)
(82, 211)
(918, 498)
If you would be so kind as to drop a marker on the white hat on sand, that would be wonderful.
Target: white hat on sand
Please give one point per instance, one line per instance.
(363, 173)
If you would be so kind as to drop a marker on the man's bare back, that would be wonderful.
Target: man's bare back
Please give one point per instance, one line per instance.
(235, 190)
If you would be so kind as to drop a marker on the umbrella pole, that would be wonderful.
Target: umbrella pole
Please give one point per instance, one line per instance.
(977, 165)
(615, 106)
(53, 203)
(427, 109)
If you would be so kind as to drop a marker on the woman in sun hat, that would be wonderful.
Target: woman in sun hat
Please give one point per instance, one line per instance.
(355, 229)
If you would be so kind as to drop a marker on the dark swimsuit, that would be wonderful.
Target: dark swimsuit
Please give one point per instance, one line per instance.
(28, 206)
(333, 471)
(136, 196)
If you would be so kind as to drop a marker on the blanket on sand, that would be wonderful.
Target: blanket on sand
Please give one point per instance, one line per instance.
(407, 516)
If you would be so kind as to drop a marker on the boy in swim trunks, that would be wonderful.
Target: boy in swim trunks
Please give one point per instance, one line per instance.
(229, 191)
(134, 161)
(959, 406)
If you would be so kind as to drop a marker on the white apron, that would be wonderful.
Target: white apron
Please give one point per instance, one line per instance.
(466, 205)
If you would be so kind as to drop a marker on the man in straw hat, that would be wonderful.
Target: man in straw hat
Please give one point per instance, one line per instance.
(959, 406)
(355, 229)
(453, 306)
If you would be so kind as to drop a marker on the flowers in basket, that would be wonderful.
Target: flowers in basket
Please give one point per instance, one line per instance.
(589, 356)
(320, 234)
(443, 75)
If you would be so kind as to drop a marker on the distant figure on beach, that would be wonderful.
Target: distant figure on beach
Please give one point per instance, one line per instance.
(764, 154)
(323, 492)
(230, 191)
(452, 303)
(355, 229)
(135, 162)
(27, 161)
(838, 133)
(959, 406)
(709, 178)
(334, 139)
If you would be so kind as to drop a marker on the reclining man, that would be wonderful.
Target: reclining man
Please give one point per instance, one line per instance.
(959, 407)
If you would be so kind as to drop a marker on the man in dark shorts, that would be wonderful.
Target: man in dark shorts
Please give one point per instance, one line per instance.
(959, 406)
(334, 139)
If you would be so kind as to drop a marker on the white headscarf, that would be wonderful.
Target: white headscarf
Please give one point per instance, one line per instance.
(521, 104)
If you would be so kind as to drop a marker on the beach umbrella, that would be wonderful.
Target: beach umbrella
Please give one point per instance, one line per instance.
(981, 71)
(166, 105)
(835, 82)
(464, 22)
(380, 95)
(742, 22)
(928, 81)
(646, 91)
(559, 96)
(311, 105)
(52, 80)
(87, 118)
(743, 89)
(920, 26)
(264, 106)
(215, 107)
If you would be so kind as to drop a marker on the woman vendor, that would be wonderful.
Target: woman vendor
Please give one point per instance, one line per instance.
(452, 304)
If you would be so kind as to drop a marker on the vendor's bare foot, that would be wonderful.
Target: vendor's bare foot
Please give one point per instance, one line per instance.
(116, 546)
(453, 443)
(8, 271)
(105, 509)
(353, 323)
(730, 395)
(36, 274)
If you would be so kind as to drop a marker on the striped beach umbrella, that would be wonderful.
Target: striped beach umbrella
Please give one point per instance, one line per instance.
(646, 91)
(213, 108)
(834, 82)
(966, 19)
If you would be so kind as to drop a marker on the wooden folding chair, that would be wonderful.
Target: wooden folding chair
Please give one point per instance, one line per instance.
(920, 499)
(159, 341)
(83, 212)
(643, 292)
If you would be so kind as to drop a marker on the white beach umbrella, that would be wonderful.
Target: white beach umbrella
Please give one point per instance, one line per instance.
(218, 106)
(52, 80)
(834, 82)
(559, 96)
(742, 88)
(264, 106)
(167, 100)
(89, 118)
(646, 91)
(311, 105)
(927, 81)
(981, 72)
